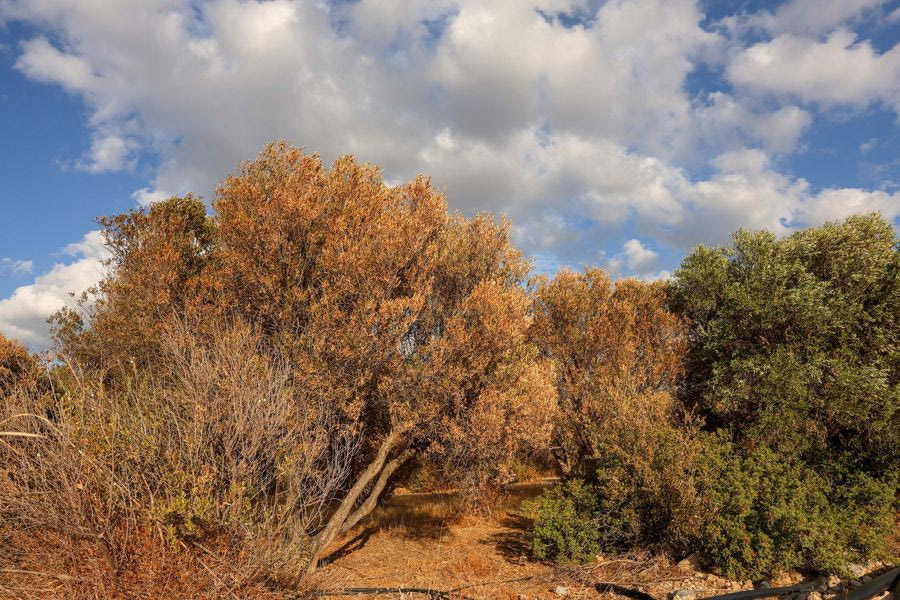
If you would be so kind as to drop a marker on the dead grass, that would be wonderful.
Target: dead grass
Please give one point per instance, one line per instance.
(420, 540)
(189, 482)
(45, 566)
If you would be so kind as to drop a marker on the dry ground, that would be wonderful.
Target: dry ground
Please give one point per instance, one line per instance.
(412, 541)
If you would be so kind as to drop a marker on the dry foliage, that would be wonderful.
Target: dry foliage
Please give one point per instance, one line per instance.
(409, 323)
(619, 354)
(121, 483)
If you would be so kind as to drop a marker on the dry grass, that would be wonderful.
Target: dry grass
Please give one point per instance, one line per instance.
(420, 540)
(207, 478)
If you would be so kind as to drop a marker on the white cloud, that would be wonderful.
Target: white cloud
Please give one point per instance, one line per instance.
(586, 134)
(840, 70)
(729, 123)
(9, 266)
(812, 17)
(838, 204)
(23, 316)
(639, 258)
(108, 153)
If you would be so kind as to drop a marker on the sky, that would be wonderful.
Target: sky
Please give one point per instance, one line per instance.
(617, 133)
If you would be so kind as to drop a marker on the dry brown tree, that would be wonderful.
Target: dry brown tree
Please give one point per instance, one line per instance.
(408, 322)
(619, 354)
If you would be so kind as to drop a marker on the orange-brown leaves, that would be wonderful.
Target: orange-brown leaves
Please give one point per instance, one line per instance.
(618, 352)
(17, 366)
(157, 259)
(392, 308)
(393, 312)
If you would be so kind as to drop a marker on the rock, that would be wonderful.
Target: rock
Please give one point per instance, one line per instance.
(690, 563)
(833, 581)
(561, 590)
(747, 584)
(857, 569)
(814, 595)
(764, 584)
(684, 595)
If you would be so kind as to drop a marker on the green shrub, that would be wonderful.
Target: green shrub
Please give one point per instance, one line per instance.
(636, 496)
(794, 359)
(792, 365)
(769, 515)
(569, 523)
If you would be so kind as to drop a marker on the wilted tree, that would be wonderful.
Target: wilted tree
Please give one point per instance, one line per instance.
(618, 352)
(628, 451)
(409, 322)
(156, 259)
(17, 366)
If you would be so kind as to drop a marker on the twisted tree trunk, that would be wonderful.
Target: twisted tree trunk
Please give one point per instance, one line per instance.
(345, 518)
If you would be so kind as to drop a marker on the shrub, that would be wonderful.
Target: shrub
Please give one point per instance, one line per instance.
(769, 515)
(571, 523)
(214, 448)
(794, 359)
(643, 495)
(410, 322)
(18, 368)
(619, 434)
(618, 354)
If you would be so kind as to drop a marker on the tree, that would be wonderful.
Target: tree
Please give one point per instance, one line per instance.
(17, 367)
(620, 438)
(156, 259)
(618, 353)
(794, 354)
(409, 322)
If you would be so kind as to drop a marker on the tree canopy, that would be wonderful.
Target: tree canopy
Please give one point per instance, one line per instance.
(410, 322)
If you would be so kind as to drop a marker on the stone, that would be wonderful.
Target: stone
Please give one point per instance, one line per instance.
(833, 581)
(690, 563)
(561, 590)
(857, 570)
(814, 595)
(684, 595)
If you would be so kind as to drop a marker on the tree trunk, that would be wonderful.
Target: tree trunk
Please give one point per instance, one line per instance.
(372, 499)
(337, 524)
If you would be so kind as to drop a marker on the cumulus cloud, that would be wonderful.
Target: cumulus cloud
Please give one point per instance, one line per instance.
(9, 266)
(575, 118)
(811, 17)
(726, 122)
(108, 153)
(23, 316)
(841, 70)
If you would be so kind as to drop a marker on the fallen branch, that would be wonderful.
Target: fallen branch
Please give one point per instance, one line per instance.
(59, 576)
(359, 591)
(605, 587)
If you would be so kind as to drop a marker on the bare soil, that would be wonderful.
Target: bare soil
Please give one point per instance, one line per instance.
(413, 541)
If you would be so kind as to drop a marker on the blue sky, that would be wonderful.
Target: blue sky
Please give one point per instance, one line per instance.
(615, 133)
